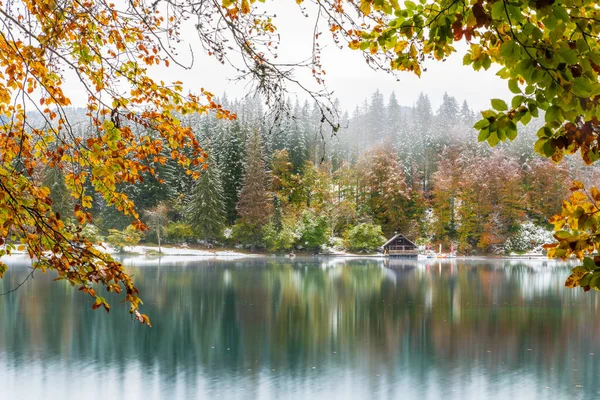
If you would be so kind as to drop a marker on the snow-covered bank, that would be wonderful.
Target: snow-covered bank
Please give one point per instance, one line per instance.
(174, 251)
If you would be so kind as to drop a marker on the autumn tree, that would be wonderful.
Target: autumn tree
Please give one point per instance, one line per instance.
(546, 185)
(157, 219)
(387, 191)
(446, 194)
(107, 50)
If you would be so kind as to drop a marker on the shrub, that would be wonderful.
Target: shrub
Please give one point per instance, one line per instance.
(364, 238)
(92, 233)
(281, 240)
(179, 232)
(127, 237)
(313, 230)
(528, 237)
(249, 235)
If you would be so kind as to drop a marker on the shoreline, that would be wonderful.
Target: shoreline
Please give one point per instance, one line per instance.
(151, 252)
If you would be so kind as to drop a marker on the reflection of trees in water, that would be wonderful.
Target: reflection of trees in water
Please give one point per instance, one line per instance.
(226, 318)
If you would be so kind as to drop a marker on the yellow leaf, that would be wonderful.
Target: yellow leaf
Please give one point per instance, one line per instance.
(365, 7)
(577, 186)
(400, 46)
(245, 7)
(354, 45)
(595, 193)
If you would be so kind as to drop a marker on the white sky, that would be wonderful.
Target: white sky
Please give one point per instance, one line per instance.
(348, 76)
(347, 73)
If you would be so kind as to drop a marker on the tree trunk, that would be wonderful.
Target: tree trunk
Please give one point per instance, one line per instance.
(158, 237)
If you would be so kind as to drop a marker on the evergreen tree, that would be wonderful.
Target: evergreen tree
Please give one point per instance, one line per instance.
(254, 205)
(296, 144)
(279, 139)
(206, 207)
(423, 153)
(393, 119)
(467, 117)
(340, 148)
(375, 119)
(447, 122)
(62, 202)
(230, 154)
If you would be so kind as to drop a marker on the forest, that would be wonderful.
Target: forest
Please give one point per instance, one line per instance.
(288, 181)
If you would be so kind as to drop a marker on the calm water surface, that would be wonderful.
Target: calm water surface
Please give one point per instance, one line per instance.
(308, 329)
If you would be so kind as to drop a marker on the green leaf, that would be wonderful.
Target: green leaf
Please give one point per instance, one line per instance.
(498, 10)
(488, 114)
(516, 14)
(582, 87)
(561, 13)
(568, 55)
(533, 109)
(508, 49)
(499, 105)
(579, 270)
(538, 147)
(549, 149)
(483, 123)
(517, 101)
(529, 89)
(563, 234)
(550, 22)
(511, 131)
(486, 62)
(493, 140)
(513, 86)
(588, 264)
(553, 114)
(585, 280)
(595, 282)
(484, 134)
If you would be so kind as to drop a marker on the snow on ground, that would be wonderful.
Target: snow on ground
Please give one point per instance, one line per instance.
(151, 251)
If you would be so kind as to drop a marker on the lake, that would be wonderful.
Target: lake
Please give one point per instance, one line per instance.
(322, 328)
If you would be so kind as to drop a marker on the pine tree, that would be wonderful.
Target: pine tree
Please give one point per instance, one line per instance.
(447, 122)
(296, 141)
(423, 153)
(206, 207)
(393, 119)
(467, 116)
(375, 119)
(62, 203)
(230, 158)
(255, 205)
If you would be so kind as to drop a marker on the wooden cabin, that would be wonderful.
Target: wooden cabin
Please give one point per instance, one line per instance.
(400, 246)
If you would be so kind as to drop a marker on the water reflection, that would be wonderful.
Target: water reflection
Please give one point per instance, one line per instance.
(320, 329)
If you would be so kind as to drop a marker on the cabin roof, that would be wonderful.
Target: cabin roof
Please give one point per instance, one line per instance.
(397, 236)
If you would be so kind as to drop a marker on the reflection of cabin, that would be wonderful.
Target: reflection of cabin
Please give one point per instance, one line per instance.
(400, 246)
